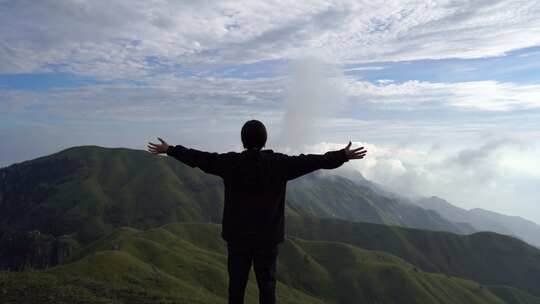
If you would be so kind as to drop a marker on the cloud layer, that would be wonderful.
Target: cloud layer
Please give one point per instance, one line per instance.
(125, 38)
(488, 174)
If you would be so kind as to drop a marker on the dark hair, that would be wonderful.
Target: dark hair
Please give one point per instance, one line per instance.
(253, 134)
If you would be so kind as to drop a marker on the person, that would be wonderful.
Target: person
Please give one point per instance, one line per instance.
(255, 181)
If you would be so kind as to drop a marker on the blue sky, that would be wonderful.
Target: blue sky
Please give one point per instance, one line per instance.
(446, 95)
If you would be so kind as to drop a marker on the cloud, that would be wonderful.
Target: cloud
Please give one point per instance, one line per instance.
(485, 175)
(116, 39)
(310, 94)
(313, 92)
(474, 156)
(364, 68)
(162, 99)
(478, 95)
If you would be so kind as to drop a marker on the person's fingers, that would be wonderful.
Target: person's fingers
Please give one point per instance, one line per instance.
(153, 148)
(161, 140)
(357, 149)
(360, 154)
(348, 146)
(153, 145)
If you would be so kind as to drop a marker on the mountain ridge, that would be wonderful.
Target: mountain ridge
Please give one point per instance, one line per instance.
(485, 220)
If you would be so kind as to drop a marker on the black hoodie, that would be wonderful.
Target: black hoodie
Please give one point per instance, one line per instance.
(255, 184)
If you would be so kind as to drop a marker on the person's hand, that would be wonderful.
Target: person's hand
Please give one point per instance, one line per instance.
(357, 153)
(158, 148)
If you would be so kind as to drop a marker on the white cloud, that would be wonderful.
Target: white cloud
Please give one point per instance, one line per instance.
(163, 99)
(114, 38)
(364, 68)
(480, 95)
(314, 92)
(487, 175)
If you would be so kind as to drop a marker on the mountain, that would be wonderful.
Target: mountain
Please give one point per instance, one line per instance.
(186, 263)
(486, 257)
(519, 227)
(89, 190)
(483, 220)
(58, 209)
(325, 195)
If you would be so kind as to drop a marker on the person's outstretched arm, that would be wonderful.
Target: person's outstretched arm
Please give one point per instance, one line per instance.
(211, 163)
(302, 164)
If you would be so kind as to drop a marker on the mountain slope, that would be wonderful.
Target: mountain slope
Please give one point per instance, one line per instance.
(485, 257)
(186, 263)
(513, 295)
(483, 220)
(324, 195)
(89, 190)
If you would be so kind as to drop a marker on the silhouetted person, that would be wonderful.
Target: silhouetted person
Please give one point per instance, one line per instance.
(254, 209)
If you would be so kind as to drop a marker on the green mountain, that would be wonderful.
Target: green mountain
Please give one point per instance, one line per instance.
(186, 263)
(90, 190)
(324, 195)
(485, 257)
(61, 208)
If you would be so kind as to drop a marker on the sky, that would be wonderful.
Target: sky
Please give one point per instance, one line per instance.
(445, 95)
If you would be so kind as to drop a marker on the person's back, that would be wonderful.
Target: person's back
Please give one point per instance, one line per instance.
(254, 198)
(254, 206)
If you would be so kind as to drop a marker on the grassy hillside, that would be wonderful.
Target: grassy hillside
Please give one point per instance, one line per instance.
(513, 295)
(89, 190)
(485, 257)
(186, 263)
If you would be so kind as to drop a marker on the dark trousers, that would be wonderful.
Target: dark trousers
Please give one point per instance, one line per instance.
(239, 263)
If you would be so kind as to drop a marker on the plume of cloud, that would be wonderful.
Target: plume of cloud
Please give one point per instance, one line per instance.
(314, 91)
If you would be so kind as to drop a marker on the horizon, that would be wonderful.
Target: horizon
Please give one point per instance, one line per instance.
(445, 101)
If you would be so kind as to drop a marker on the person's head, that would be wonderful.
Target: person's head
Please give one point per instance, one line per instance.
(253, 135)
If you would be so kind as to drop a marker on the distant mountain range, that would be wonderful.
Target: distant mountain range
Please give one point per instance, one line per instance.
(484, 220)
(324, 195)
(71, 211)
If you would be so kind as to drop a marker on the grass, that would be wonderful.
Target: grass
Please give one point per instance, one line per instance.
(186, 263)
